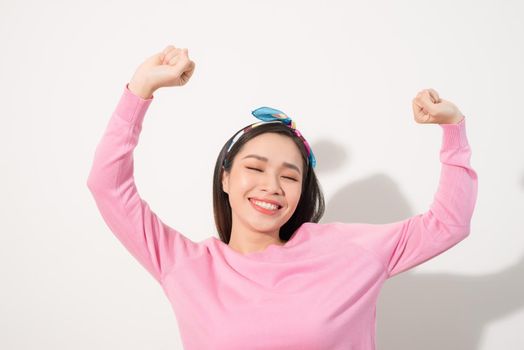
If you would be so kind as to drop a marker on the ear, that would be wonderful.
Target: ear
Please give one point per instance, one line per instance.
(225, 181)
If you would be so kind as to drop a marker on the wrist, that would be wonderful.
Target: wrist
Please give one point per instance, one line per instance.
(140, 88)
(454, 119)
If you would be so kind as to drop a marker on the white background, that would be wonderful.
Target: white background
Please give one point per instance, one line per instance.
(345, 71)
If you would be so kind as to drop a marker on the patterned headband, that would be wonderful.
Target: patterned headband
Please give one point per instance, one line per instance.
(271, 115)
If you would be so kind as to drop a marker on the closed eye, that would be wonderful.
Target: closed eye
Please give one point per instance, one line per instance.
(285, 177)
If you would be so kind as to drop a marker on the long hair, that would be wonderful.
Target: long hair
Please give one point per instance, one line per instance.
(310, 207)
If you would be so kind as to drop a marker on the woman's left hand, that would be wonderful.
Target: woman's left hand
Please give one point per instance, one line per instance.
(429, 108)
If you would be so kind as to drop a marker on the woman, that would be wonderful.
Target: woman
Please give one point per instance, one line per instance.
(276, 278)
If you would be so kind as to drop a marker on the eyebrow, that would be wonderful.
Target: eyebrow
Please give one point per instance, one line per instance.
(286, 164)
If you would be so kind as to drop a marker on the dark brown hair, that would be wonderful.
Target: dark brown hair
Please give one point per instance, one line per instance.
(310, 207)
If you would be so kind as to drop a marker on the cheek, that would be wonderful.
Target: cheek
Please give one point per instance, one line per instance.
(243, 183)
(294, 194)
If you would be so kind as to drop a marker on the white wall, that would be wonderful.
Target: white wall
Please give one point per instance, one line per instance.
(346, 71)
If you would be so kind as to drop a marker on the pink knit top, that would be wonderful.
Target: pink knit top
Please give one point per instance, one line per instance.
(317, 291)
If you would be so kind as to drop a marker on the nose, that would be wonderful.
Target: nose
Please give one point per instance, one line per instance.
(272, 183)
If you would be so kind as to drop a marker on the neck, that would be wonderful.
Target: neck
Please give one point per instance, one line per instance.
(248, 242)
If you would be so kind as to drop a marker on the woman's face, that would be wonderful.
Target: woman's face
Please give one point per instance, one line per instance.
(269, 169)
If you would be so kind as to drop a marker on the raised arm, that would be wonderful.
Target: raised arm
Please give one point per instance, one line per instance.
(410, 242)
(407, 243)
(158, 247)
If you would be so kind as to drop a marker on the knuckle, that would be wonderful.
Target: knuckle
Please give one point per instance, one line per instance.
(168, 48)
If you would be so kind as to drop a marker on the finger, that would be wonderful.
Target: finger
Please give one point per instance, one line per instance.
(416, 108)
(189, 72)
(168, 48)
(420, 111)
(180, 56)
(434, 95)
(425, 101)
(173, 61)
(171, 54)
(164, 52)
(183, 53)
(179, 65)
(169, 51)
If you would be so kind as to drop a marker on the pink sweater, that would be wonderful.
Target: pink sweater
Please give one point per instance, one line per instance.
(318, 291)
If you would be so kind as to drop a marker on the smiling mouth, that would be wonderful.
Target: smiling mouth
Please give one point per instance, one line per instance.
(265, 205)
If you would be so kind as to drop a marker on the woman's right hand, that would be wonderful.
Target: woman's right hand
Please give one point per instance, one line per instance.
(171, 67)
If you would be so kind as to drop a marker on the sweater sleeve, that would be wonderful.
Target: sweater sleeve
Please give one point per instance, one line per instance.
(154, 244)
(410, 242)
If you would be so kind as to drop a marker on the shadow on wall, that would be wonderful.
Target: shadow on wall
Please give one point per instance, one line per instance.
(420, 310)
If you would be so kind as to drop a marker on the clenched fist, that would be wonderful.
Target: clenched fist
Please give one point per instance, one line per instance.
(171, 67)
(429, 108)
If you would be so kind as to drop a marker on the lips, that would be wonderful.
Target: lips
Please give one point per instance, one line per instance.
(270, 212)
(267, 201)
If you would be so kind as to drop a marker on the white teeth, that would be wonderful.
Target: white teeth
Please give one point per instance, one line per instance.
(266, 205)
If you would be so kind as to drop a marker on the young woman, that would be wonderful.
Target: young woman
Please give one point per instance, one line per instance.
(276, 278)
